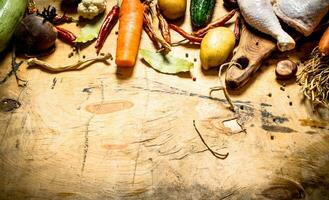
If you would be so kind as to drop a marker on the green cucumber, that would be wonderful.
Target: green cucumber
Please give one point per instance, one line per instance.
(201, 12)
(11, 13)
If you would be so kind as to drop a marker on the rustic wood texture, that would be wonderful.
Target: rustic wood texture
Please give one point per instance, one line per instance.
(108, 133)
(253, 48)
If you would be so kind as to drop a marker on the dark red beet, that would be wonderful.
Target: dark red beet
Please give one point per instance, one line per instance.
(35, 35)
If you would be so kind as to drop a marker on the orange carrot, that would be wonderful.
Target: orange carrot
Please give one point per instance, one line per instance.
(130, 30)
(324, 43)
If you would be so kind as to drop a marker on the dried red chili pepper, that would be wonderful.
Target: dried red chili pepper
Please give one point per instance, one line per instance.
(66, 35)
(108, 24)
(148, 31)
(164, 27)
(237, 29)
(157, 31)
(186, 35)
(62, 19)
(218, 22)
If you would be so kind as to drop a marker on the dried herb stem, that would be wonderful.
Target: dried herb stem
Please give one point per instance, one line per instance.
(75, 66)
(217, 155)
(14, 68)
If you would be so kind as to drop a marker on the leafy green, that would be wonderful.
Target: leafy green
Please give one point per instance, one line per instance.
(90, 30)
(166, 63)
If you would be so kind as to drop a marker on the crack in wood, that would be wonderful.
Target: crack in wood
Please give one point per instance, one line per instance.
(169, 153)
(143, 124)
(144, 140)
(167, 139)
(86, 135)
(86, 144)
(177, 91)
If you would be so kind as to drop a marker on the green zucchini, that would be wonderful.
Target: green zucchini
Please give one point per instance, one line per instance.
(11, 13)
(201, 12)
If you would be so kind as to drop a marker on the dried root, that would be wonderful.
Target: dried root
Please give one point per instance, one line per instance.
(314, 78)
(222, 87)
(75, 66)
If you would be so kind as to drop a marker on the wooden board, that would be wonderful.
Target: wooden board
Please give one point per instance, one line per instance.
(108, 133)
(254, 47)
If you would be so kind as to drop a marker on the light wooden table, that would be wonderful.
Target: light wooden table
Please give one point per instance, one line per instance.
(108, 133)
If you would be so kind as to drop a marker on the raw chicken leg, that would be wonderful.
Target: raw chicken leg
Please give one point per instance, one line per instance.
(260, 15)
(303, 15)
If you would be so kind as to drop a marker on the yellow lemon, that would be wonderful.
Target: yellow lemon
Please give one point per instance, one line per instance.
(216, 47)
(172, 9)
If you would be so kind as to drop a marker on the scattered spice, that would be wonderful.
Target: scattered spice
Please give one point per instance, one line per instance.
(70, 54)
(282, 88)
(186, 55)
(290, 103)
(270, 95)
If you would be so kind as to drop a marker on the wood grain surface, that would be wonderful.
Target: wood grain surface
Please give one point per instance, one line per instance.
(110, 133)
(254, 47)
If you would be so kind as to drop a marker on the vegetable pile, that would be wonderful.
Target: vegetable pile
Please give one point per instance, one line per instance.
(34, 33)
